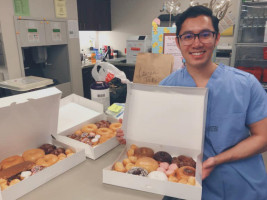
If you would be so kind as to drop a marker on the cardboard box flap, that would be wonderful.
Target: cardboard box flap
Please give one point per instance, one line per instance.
(75, 109)
(166, 115)
(28, 120)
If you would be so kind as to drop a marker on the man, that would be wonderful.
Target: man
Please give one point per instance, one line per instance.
(236, 121)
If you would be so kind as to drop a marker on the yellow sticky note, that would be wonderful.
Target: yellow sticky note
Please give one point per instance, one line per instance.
(115, 108)
(228, 32)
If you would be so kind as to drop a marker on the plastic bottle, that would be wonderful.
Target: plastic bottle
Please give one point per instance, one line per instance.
(93, 55)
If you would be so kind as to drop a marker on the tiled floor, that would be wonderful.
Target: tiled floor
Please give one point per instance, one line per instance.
(265, 159)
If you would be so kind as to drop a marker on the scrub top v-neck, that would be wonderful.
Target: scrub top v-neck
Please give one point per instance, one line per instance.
(235, 100)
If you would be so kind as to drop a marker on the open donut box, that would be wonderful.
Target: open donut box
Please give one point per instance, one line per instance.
(27, 121)
(75, 112)
(170, 119)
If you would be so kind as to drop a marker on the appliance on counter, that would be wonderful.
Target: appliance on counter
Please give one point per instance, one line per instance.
(135, 45)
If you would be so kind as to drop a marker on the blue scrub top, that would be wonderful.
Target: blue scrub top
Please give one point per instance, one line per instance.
(236, 99)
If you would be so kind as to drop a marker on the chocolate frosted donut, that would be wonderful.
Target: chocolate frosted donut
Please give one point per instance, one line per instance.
(138, 171)
(162, 156)
(48, 148)
(182, 160)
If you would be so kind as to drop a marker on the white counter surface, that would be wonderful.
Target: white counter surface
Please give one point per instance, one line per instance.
(84, 182)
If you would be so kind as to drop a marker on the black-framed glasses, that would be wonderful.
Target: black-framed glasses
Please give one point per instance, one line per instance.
(204, 37)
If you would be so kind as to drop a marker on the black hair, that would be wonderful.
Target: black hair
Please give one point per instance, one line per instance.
(193, 12)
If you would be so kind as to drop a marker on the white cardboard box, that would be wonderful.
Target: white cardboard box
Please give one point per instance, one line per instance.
(27, 121)
(77, 111)
(168, 119)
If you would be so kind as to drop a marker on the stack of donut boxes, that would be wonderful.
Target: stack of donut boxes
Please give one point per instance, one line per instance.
(30, 120)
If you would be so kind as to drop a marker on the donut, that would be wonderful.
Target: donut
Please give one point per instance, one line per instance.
(33, 154)
(182, 160)
(158, 175)
(185, 172)
(68, 151)
(16, 169)
(37, 168)
(102, 124)
(25, 174)
(61, 156)
(47, 160)
(115, 126)
(173, 178)
(104, 131)
(89, 128)
(133, 159)
(126, 161)
(11, 161)
(129, 166)
(147, 163)
(14, 181)
(162, 156)
(48, 148)
(118, 166)
(78, 132)
(138, 171)
(143, 152)
(130, 152)
(58, 151)
(133, 146)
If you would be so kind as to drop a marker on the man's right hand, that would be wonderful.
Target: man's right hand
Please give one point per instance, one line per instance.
(120, 136)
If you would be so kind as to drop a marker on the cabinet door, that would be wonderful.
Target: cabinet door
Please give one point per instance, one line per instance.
(94, 15)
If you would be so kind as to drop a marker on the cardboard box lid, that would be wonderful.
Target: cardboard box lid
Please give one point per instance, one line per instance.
(171, 116)
(75, 109)
(28, 120)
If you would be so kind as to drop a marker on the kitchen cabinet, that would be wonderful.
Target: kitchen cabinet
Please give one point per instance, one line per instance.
(250, 49)
(94, 15)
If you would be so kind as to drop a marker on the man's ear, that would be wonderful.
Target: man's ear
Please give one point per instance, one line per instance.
(177, 42)
(217, 39)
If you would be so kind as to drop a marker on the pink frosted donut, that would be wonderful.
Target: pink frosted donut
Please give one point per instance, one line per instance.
(164, 165)
(161, 169)
(170, 172)
(173, 166)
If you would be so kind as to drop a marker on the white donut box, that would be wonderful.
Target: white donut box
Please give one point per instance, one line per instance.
(75, 112)
(168, 119)
(27, 121)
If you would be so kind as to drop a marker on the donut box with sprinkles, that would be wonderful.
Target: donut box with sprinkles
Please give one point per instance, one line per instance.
(89, 128)
(32, 157)
(164, 129)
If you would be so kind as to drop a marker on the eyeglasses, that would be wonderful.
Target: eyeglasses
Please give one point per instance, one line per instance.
(204, 37)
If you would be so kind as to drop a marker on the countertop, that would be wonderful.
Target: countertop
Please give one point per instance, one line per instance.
(117, 62)
(84, 182)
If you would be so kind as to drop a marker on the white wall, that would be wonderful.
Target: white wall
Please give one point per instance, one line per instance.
(38, 9)
(134, 17)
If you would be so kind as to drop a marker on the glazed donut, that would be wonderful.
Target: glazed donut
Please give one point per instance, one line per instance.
(89, 128)
(11, 161)
(47, 160)
(185, 172)
(115, 126)
(143, 152)
(78, 132)
(147, 163)
(104, 131)
(118, 166)
(129, 166)
(162, 156)
(68, 151)
(33, 154)
(61, 156)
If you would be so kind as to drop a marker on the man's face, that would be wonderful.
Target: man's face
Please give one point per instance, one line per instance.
(197, 54)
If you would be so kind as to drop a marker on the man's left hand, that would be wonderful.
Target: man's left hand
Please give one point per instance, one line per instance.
(207, 167)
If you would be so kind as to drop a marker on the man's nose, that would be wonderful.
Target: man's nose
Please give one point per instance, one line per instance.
(196, 40)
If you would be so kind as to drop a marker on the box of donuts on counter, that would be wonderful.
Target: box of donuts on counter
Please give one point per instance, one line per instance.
(29, 156)
(83, 124)
(164, 129)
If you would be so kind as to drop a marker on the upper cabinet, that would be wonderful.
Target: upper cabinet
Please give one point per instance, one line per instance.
(94, 15)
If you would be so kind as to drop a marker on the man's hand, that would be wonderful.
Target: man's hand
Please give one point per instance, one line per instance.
(120, 136)
(208, 166)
